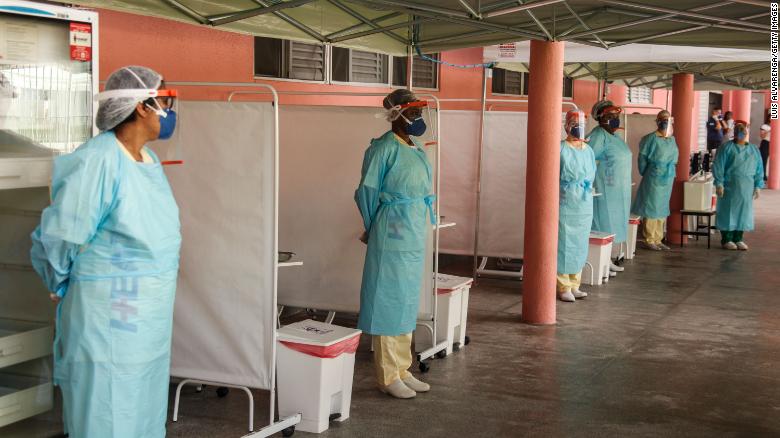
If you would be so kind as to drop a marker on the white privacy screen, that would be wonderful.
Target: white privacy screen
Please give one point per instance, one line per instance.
(224, 317)
(502, 206)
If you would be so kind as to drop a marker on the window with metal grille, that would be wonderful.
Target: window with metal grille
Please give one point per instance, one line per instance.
(639, 95)
(507, 82)
(568, 87)
(425, 73)
(289, 59)
(349, 65)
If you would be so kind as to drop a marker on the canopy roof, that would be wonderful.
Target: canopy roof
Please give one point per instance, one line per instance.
(649, 64)
(389, 26)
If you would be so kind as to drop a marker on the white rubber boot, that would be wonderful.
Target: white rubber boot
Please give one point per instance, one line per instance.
(415, 385)
(398, 390)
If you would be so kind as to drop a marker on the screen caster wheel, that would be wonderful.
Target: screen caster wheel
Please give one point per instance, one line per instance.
(441, 354)
(290, 431)
(222, 392)
(424, 367)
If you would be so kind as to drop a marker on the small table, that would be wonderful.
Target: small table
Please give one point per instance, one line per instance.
(683, 232)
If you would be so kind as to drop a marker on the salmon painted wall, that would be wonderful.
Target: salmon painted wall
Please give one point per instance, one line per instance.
(191, 53)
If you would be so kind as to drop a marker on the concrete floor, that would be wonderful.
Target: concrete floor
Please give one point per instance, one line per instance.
(684, 343)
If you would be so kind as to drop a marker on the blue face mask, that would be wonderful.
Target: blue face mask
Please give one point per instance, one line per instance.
(576, 131)
(614, 123)
(662, 125)
(740, 135)
(416, 127)
(167, 125)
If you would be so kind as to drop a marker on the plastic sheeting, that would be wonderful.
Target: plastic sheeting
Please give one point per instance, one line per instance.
(318, 219)
(224, 318)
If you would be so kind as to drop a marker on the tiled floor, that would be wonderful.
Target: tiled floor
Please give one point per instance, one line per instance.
(684, 343)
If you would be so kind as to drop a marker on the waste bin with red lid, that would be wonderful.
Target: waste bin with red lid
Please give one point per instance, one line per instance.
(315, 367)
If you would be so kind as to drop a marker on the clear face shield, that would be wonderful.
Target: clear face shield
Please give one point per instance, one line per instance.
(169, 146)
(412, 114)
(665, 126)
(164, 103)
(574, 125)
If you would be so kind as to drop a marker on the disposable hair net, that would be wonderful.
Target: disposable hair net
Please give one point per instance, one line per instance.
(393, 102)
(664, 115)
(113, 111)
(599, 107)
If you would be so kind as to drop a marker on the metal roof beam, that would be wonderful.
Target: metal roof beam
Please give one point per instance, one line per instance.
(539, 23)
(380, 30)
(366, 21)
(375, 21)
(753, 2)
(186, 10)
(735, 68)
(220, 19)
(478, 24)
(293, 22)
(419, 8)
(681, 13)
(685, 21)
(582, 22)
(648, 19)
(470, 9)
(520, 7)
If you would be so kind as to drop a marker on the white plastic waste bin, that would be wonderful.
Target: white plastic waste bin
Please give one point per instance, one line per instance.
(599, 251)
(315, 366)
(633, 229)
(451, 312)
(697, 194)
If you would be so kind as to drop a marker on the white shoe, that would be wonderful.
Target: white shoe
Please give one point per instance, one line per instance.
(664, 247)
(730, 246)
(415, 385)
(566, 296)
(398, 390)
(615, 268)
(579, 294)
(612, 274)
(742, 246)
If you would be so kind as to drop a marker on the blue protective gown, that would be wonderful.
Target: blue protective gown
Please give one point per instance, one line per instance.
(109, 245)
(658, 166)
(611, 210)
(739, 170)
(578, 169)
(395, 201)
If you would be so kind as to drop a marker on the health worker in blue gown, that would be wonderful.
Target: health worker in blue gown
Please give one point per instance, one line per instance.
(395, 201)
(739, 176)
(108, 250)
(578, 169)
(611, 210)
(657, 163)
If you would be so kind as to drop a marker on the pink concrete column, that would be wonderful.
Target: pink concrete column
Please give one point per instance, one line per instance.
(774, 156)
(541, 194)
(740, 104)
(726, 102)
(683, 113)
